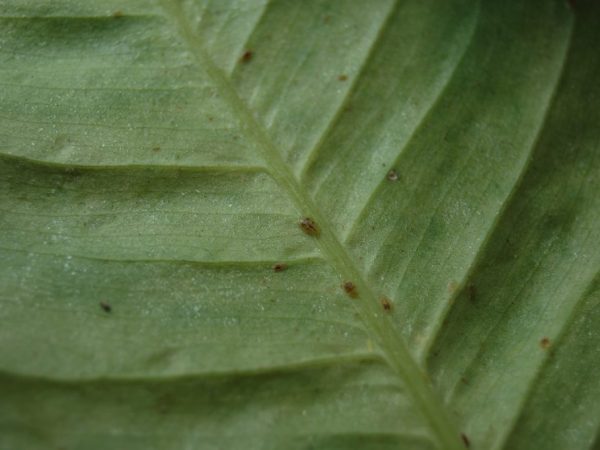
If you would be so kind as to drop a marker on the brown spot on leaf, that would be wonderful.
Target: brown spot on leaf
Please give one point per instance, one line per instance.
(392, 175)
(279, 267)
(310, 227)
(247, 56)
(545, 343)
(350, 289)
(118, 13)
(386, 304)
(156, 149)
(343, 77)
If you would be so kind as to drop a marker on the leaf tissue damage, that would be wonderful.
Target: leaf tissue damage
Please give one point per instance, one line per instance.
(323, 225)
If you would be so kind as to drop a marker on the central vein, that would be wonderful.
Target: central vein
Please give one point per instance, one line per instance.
(386, 335)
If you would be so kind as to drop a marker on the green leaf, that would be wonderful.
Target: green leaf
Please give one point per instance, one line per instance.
(157, 157)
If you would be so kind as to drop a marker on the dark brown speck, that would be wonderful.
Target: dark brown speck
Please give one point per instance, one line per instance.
(386, 304)
(392, 175)
(545, 343)
(350, 289)
(280, 267)
(247, 56)
(309, 227)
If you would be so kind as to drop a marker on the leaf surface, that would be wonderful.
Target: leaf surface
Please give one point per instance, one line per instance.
(156, 159)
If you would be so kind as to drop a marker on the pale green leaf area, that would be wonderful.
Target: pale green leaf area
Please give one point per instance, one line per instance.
(157, 156)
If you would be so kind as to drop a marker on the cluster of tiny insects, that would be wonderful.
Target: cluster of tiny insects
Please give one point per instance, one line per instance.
(310, 227)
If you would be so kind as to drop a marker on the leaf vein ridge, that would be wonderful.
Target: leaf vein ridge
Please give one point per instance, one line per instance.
(393, 345)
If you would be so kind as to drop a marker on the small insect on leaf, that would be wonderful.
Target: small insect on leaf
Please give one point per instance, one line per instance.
(105, 307)
(350, 289)
(545, 343)
(118, 13)
(247, 56)
(465, 440)
(342, 77)
(310, 227)
(279, 267)
(392, 175)
(386, 304)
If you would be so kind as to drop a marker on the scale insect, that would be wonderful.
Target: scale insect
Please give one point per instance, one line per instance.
(386, 304)
(247, 56)
(279, 267)
(309, 227)
(350, 289)
(545, 343)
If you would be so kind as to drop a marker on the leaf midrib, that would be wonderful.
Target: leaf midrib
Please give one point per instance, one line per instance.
(392, 344)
